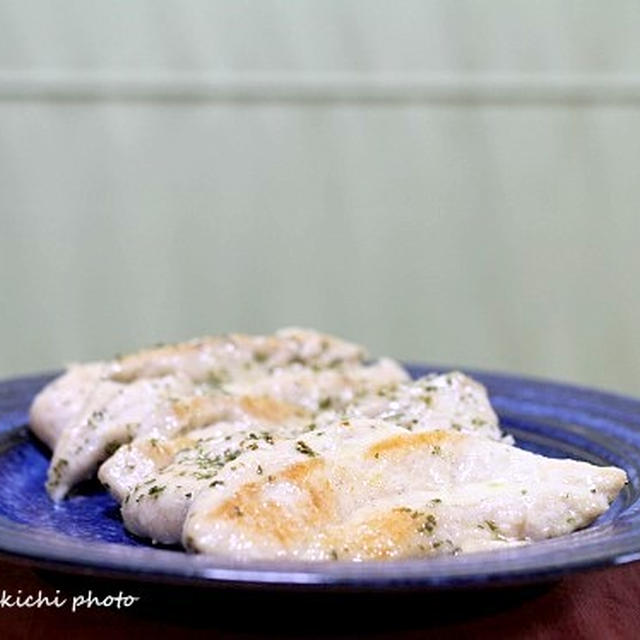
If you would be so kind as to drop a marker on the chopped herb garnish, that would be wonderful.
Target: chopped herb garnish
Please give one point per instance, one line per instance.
(304, 448)
(492, 526)
(198, 475)
(403, 510)
(156, 490)
(217, 378)
(428, 525)
(61, 464)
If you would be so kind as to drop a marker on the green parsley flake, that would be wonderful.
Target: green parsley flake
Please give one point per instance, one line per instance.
(304, 448)
(156, 490)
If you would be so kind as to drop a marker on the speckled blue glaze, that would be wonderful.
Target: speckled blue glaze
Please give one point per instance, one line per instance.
(556, 420)
(91, 515)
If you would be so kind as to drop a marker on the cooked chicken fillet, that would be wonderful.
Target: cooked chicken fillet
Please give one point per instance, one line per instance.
(316, 497)
(212, 360)
(433, 402)
(480, 516)
(117, 412)
(316, 389)
(450, 401)
(61, 401)
(147, 455)
(446, 401)
(290, 446)
(157, 506)
(136, 394)
(112, 415)
(222, 359)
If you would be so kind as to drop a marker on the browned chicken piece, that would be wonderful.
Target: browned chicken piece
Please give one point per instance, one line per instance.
(166, 390)
(366, 490)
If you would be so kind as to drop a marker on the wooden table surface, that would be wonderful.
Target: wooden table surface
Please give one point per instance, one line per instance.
(599, 604)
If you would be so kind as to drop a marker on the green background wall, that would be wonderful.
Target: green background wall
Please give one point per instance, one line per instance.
(455, 182)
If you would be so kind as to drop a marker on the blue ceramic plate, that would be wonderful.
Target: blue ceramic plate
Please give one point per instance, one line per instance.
(85, 533)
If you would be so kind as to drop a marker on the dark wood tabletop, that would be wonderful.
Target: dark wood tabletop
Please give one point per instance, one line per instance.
(598, 604)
